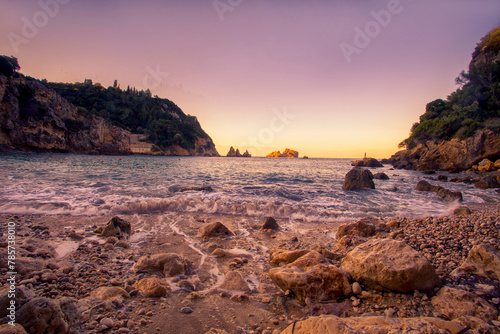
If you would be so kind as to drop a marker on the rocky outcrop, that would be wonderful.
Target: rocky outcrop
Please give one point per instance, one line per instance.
(367, 162)
(390, 265)
(487, 182)
(448, 299)
(287, 153)
(445, 194)
(35, 118)
(312, 276)
(236, 154)
(483, 260)
(358, 178)
(372, 324)
(454, 154)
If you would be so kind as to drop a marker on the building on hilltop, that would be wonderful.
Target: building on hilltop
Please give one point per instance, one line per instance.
(139, 145)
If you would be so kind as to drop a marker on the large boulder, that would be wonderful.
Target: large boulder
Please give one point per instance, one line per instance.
(454, 303)
(330, 324)
(23, 295)
(361, 228)
(234, 282)
(279, 256)
(367, 162)
(450, 196)
(454, 154)
(12, 329)
(215, 230)
(118, 228)
(488, 182)
(483, 260)
(153, 287)
(312, 276)
(169, 264)
(386, 264)
(107, 292)
(358, 178)
(42, 315)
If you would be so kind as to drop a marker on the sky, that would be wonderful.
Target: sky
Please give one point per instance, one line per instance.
(327, 78)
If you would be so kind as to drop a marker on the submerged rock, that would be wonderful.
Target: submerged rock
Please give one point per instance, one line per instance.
(445, 194)
(358, 178)
(312, 276)
(381, 176)
(488, 182)
(367, 162)
(386, 264)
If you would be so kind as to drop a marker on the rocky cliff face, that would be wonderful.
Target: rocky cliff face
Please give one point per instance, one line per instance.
(458, 133)
(35, 118)
(450, 155)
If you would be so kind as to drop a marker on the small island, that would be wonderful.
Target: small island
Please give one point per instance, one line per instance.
(236, 154)
(287, 153)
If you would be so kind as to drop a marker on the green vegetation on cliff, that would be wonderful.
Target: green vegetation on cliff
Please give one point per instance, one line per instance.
(137, 111)
(473, 106)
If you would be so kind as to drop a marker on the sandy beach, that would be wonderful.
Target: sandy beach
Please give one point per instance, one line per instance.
(61, 256)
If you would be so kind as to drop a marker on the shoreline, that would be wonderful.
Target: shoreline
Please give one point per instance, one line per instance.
(252, 305)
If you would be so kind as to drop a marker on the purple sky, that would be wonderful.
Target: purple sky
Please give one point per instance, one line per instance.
(262, 75)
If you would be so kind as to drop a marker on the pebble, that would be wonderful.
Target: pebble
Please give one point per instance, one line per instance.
(356, 288)
(106, 322)
(186, 310)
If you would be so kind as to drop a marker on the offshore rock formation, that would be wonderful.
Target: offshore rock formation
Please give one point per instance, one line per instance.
(35, 118)
(287, 153)
(454, 154)
(237, 154)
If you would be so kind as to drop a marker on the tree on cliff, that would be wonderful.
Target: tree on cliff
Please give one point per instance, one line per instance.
(9, 65)
(473, 106)
(161, 120)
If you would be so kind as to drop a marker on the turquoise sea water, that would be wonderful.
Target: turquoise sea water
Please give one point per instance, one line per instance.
(297, 189)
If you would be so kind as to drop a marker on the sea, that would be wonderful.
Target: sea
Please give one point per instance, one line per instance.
(308, 190)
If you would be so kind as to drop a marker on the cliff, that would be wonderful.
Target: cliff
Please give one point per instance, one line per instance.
(89, 119)
(35, 118)
(159, 120)
(287, 153)
(459, 132)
